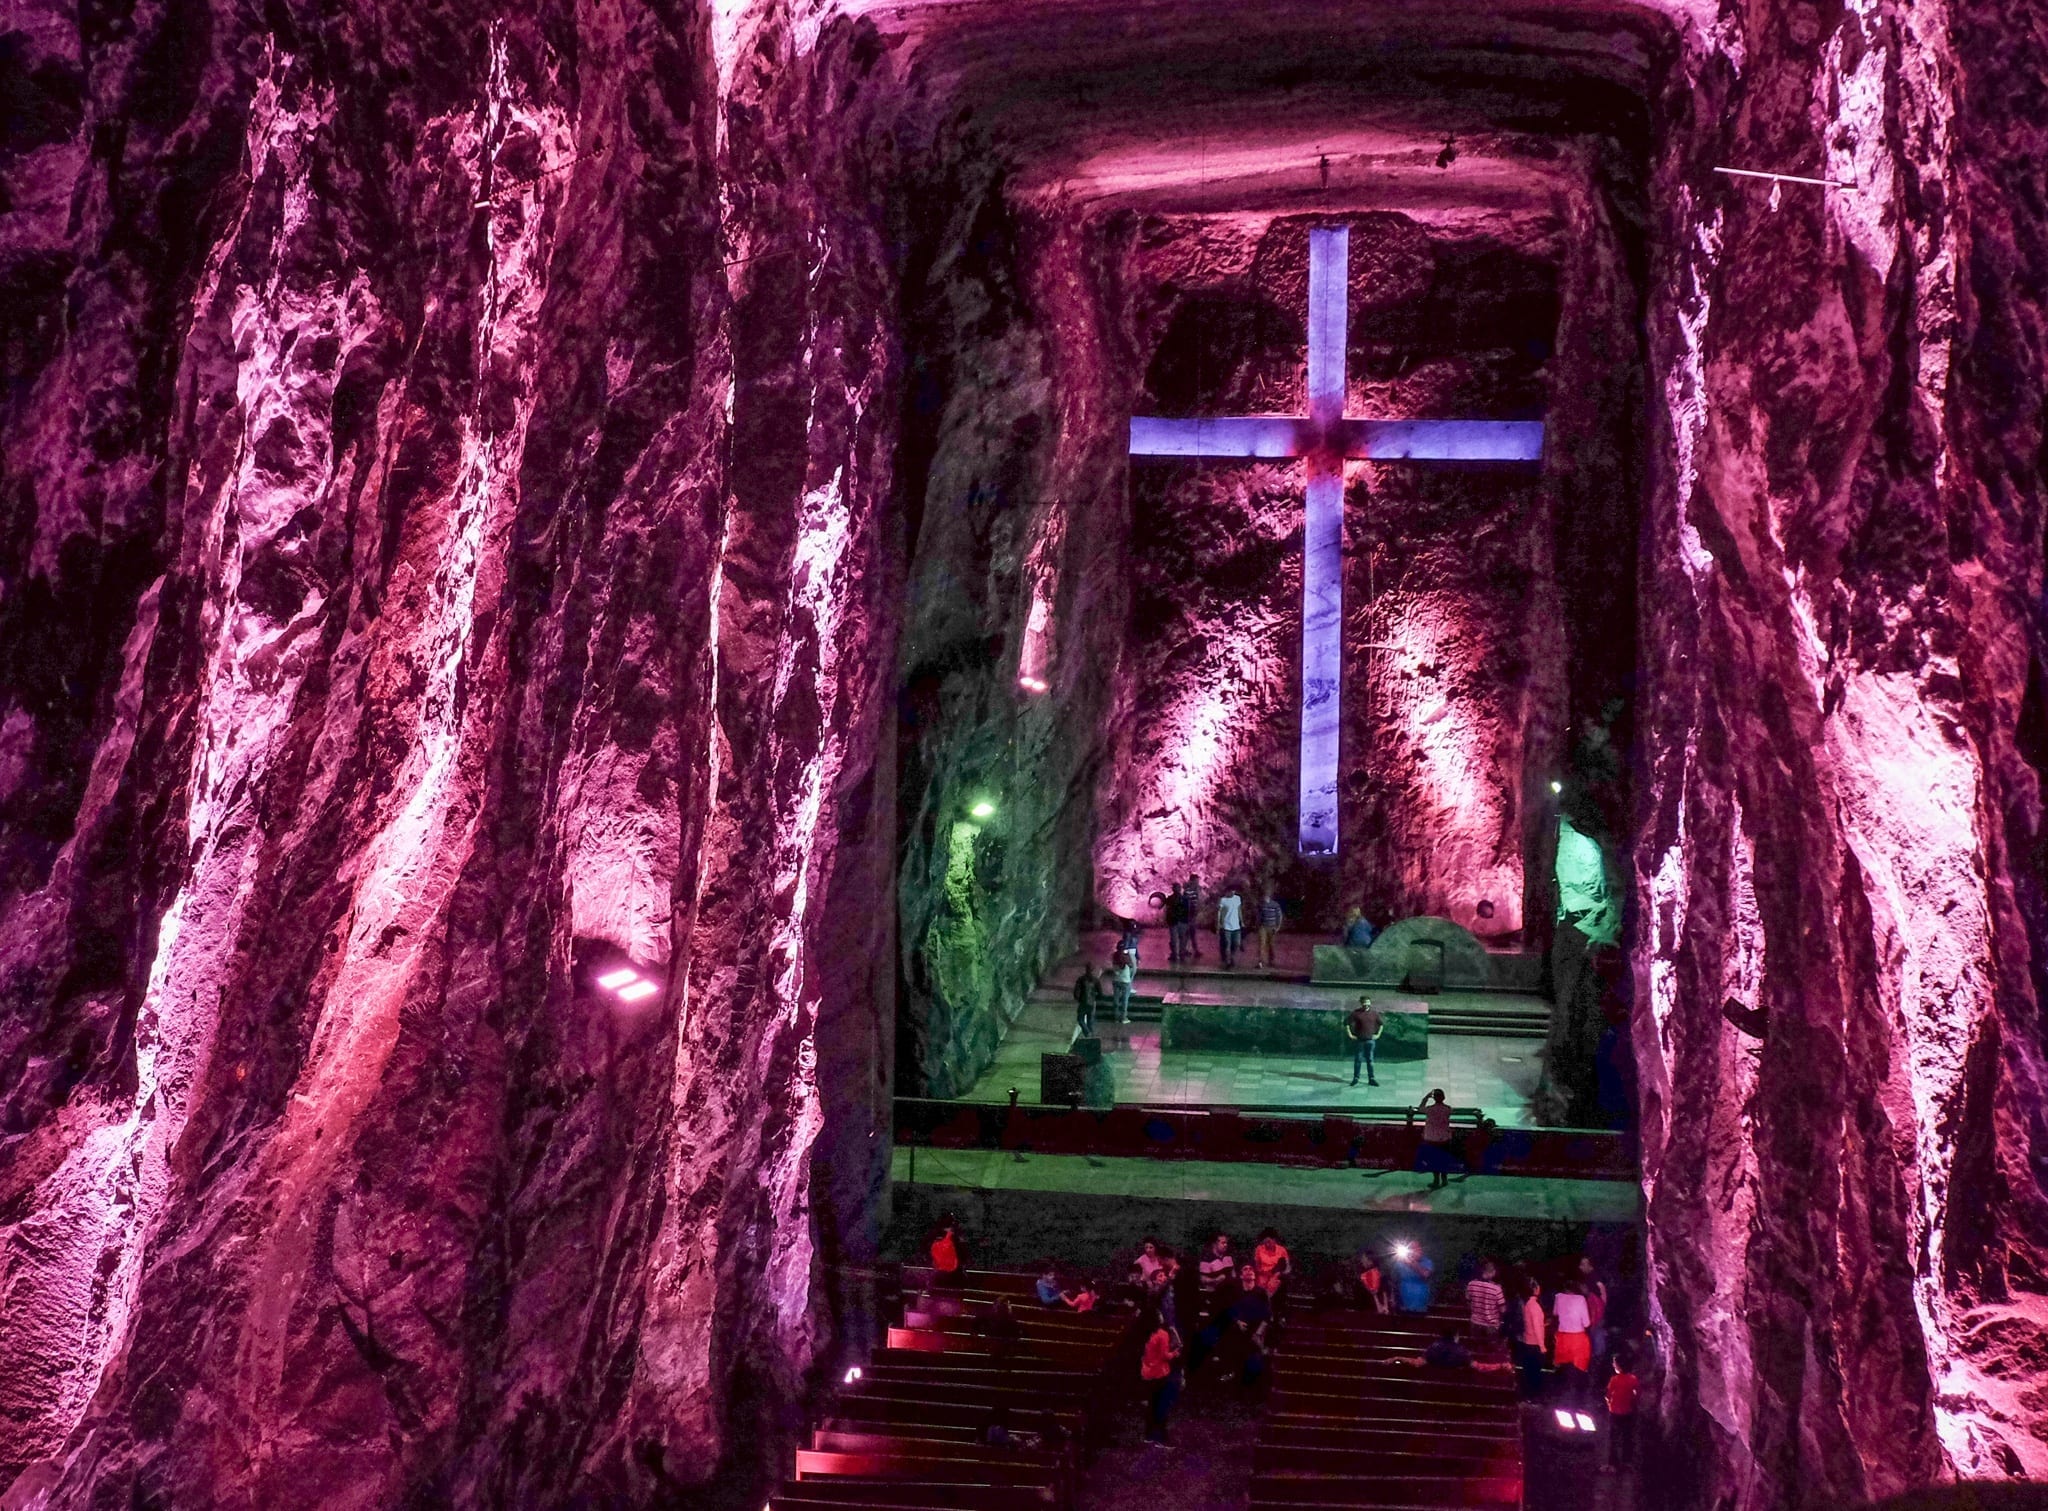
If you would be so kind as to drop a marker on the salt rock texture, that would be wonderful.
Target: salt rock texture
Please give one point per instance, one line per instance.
(443, 451)
(1460, 688)
(1012, 475)
(1839, 866)
(484, 493)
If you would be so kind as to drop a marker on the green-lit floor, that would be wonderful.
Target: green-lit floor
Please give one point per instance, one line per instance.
(1191, 1180)
(1498, 1075)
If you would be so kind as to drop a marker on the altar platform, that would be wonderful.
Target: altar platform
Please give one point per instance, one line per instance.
(1496, 1073)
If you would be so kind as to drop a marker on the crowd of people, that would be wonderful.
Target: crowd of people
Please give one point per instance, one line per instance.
(1220, 1313)
(1180, 906)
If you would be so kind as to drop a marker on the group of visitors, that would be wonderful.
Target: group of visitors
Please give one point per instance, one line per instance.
(1181, 904)
(1230, 1302)
(1570, 1335)
(1559, 1344)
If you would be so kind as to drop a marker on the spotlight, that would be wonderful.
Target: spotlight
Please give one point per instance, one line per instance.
(611, 981)
(1556, 788)
(637, 990)
(983, 809)
(1564, 1420)
(1585, 1422)
(1404, 1251)
(853, 1374)
(1031, 684)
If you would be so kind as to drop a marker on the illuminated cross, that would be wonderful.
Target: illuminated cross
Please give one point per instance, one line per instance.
(1326, 438)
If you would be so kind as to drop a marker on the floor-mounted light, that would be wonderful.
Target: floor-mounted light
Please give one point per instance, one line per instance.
(627, 984)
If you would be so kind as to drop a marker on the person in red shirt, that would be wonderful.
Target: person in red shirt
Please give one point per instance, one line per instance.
(1621, 1414)
(1271, 1262)
(1160, 1371)
(947, 1267)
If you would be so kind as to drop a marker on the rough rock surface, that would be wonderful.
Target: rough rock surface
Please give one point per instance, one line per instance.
(427, 570)
(1839, 866)
(488, 491)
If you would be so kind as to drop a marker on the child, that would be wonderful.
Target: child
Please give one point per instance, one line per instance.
(1374, 1284)
(1621, 1413)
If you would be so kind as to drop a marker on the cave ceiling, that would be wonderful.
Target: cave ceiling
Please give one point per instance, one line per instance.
(1210, 107)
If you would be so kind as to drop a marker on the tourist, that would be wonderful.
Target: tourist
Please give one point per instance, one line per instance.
(1363, 1027)
(1047, 1288)
(1080, 1299)
(949, 1269)
(1241, 1324)
(1379, 1295)
(1486, 1301)
(1160, 1370)
(1215, 1266)
(1529, 1323)
(1003, 1333)
(1084, 1004)
(1229, 926)
(1128, 940)
(1358, 930)
(1271, 1263)
(1179, 932)
(1411, 1269)
(1436, 1155)
(1595, 1291)
(1147, 1264)
(1447, 1352)
(1269, 928)
(1573, 1349)
(1191, 894)
(1124, 974)
(1622, 1386)
(997, 1433)
(1163, 1289)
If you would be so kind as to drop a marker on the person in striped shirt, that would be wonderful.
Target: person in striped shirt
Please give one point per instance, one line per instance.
(1269, 926)
(1486, 1300)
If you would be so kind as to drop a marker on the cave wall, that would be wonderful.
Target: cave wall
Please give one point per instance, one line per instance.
(423, 559)
(1839, 864)
(1017, 412)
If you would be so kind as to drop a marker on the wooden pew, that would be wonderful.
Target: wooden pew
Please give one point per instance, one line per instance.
(1011, 1283)
(1038, 1321)
(1448, 1491)
(935, 1462)
(1499, 1444)
(864, 1413)
(907, 1495)
(1087, 1355)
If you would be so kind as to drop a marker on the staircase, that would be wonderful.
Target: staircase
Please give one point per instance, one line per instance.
(909, 1430)
(1356, 1423)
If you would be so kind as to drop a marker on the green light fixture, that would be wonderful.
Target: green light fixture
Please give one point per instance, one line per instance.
(983, 808)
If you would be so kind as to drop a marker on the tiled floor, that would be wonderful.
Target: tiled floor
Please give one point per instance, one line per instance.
(1192, 1180)
(1498, 1075)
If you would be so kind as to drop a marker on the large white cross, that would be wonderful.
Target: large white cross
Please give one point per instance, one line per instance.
(1326, 438)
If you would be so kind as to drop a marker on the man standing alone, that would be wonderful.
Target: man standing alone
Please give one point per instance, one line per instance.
(1084, 1004)
(1229, 926)
(1363, 1028)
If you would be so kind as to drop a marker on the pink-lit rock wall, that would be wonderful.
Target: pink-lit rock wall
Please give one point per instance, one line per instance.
(1012, 474)
(423, 561)
(1457, 687)
(1842, 734)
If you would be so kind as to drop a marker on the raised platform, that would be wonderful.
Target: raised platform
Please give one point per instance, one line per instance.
(1314, 1032)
